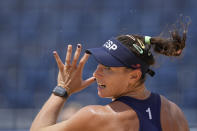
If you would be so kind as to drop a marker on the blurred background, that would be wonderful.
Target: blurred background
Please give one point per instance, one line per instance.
(30, 30)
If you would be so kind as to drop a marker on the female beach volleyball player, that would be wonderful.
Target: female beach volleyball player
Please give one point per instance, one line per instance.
(124, 62)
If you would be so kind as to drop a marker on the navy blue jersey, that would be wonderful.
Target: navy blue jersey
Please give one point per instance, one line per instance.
(148, 111)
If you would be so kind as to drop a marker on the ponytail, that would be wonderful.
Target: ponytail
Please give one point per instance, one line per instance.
(174, 45)
(169, 47)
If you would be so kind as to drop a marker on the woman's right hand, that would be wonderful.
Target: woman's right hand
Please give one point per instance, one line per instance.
(70, 74)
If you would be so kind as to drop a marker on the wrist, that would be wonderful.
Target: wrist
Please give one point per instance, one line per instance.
(63, 85)
(58, 98)
(61, 92)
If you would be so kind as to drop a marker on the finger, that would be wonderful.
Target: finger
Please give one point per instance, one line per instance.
(88, 82)
(59, 62)
(76, 56)
(68, 55)
(83, 61)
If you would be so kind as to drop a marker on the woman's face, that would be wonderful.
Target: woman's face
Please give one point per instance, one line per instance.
(112, 81)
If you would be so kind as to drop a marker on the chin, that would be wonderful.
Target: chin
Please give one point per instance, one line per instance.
(104, 95)
(101, 95)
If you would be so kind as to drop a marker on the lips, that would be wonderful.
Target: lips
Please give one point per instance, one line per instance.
(102, 86)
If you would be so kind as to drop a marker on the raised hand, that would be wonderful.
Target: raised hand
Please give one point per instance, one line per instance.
(70, 74)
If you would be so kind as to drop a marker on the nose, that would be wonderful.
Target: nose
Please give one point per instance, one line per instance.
(98, 72)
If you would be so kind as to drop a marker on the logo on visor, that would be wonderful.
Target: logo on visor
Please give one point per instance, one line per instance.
(110, 45)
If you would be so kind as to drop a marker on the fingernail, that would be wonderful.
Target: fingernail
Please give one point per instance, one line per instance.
(54, 52)
(94, 78)
(78, 46)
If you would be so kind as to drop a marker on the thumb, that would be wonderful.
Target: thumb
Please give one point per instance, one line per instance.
(89, 81)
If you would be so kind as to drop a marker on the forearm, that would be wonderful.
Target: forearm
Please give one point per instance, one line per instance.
(49, 113)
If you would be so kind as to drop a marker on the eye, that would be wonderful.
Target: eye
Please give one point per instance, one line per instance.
(107, 68)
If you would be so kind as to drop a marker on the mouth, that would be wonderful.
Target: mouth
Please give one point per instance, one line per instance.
(101, 85)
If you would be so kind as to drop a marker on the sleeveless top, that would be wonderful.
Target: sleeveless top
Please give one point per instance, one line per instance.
(148, 111)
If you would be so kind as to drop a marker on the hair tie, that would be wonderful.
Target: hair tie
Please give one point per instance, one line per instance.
(147, 39)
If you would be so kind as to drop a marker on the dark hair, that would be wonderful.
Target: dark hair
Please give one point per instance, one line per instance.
(171, 46)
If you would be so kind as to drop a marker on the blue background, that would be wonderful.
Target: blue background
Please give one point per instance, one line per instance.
(30, 30)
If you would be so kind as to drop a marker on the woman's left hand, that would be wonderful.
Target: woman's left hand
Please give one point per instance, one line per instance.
(70, 74)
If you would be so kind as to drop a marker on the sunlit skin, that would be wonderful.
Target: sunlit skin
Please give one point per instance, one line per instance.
(116, 116)
(119, 81)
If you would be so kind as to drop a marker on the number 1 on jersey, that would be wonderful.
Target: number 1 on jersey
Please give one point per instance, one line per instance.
(149, 113)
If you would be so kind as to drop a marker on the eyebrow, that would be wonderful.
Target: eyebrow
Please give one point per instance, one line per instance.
(125, 68)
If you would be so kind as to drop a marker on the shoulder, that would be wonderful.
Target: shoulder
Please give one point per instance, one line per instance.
(170, 107)
(90, 112)
(171, 116)
(81, 121)
(84, 117)
(93, 111)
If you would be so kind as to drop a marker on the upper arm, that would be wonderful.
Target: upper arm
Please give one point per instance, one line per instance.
(172, 118)
(80, 121)
(178, 115)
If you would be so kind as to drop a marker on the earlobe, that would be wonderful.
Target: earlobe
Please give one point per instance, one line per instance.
(139, 74)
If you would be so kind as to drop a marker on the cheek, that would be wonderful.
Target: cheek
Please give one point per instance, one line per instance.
(115, 86)
(120, 79)
(120, 84)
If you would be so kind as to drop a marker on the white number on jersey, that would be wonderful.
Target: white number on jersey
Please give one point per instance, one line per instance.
(149, 113)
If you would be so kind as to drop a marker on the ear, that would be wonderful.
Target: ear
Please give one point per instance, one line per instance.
(135, 75)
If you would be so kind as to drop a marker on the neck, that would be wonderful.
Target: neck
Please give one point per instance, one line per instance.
(139, 92)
